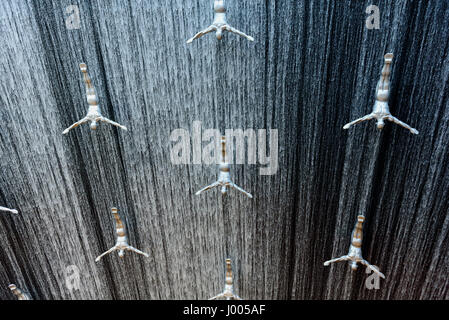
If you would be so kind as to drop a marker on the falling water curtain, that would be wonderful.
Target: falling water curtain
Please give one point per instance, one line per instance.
(312, 68)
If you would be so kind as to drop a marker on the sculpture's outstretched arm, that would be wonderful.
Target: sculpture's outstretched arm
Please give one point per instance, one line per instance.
(249, 195)
(213, 185)
(343, 258)
(113, 123)
(402, 124)
(365, 118)
(9, 210)
(373, 268)
(76, 124)
(105, 253)
(202, 33)
(137, 251)
(240, 33)
(221, 295)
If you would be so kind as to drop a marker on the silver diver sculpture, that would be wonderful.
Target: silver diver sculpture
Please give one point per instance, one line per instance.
(224, 178)
(228, 292)
(9, 210)
(220, 24)
(122, 241)
(355, 250)
(18, 293)
(381, 111)
(93, 114)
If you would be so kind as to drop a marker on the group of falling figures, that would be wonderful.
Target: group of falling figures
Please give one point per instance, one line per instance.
(380, 112)
(219, 25)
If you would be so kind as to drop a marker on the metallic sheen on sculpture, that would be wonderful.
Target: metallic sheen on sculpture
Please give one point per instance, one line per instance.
(18, 293)
(228, 292)
(220, 24)
(355, 250)
(122, 241)
(9, 210)
(224, 178)
(94, 114)
(381, 110)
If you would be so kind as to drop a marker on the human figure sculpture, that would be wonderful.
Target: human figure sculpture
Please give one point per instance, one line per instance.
(224, 177)
(122, 241)
(18, 293)
(228, 292)
(355, 250)
(220, 24)
(381, 111)
(93, 114)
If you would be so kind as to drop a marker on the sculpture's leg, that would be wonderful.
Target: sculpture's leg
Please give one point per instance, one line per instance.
(76, 124)
(213, 185)
(249, 195)
(365, 118)
(373, 268)
(105, 253)
(202, 33)
(240, 33)
(343, 258)
(221, 295)
(113, 123)
(137, 251)
(402, 124)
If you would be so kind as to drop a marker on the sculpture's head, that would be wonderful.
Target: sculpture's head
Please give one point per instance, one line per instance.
(354, 265)
(219, 34)
(224, 189)
(121, 253)
(380, 124)
(219, 6)
(94, 125)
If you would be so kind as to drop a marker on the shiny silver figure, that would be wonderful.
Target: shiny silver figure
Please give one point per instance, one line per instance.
(381, 110)
(355, 250)
(228, 292)
(93, 115)
(18, 293)
(220, 24)
(224, 178)
(9, 210)
(122, 241)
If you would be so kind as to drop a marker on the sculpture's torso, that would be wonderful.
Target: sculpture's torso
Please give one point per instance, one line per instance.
(228, 293)
(355, 250)
(93, 113)
(224, 176)
(355, 253)
(381, 109)
(219, 19)
(220, 14)
(122, 242)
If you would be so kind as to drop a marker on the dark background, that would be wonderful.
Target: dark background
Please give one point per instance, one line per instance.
(312, 68)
